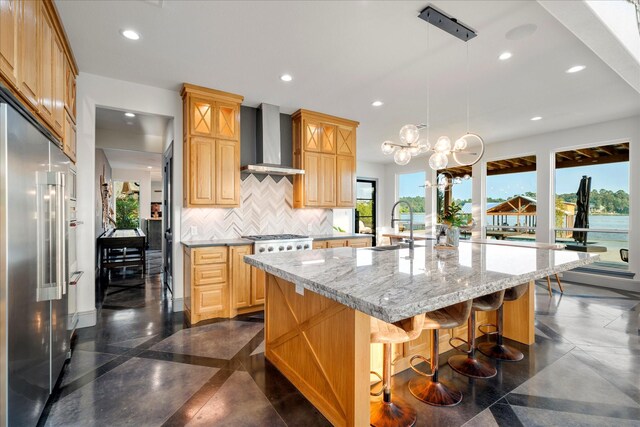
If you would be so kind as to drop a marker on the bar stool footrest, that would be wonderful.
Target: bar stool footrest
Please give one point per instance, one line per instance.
(381, 381)
(416, 370)
(459, 347)
(482, 328)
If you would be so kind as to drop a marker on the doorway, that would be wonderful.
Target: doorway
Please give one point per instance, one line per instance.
(167, 178)
(365, 211)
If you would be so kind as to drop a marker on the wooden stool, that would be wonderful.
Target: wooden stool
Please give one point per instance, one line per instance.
(385, 412)
(468, 365)
(427, 387)
(499, 350)
(559, 285)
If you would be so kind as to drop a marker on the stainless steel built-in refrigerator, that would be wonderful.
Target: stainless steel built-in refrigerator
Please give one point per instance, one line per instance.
(34, 340)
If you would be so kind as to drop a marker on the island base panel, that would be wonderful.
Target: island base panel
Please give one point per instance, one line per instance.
(322, 347)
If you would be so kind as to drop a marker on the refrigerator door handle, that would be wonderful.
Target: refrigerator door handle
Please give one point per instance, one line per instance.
(50, 234)
(61, 229)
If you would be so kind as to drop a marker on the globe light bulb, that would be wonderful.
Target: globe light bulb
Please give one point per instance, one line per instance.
(457, 180)
(388, 147)
(438, 161)
(424, 145)
(402, 156)
(409, 134)
(414, 150)
(443, 145)
(466, 177)
(460, 144)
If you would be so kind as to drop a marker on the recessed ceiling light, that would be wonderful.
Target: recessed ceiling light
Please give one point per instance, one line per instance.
(286, 77)
(149, 167)
(377, 103)
(575, 69)
(536, 118)
(504, 56)
(129, 114)
(130, 34)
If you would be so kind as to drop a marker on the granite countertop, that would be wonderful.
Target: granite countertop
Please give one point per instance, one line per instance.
(339, 236)
(215, 242)
(396, 284)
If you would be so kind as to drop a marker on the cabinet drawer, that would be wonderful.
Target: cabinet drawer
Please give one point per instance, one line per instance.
(322, 244)
(210, 255)
(210, 274)
(210, 301)
(359, 243)
(336, 243)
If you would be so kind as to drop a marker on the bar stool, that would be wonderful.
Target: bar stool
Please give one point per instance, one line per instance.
(498, 350)
(427, 387)
(386, 412)
(468, 365)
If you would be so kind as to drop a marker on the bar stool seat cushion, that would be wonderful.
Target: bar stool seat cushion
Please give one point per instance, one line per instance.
(398, 332)
(448, 317)
(516, 292)
(489, 302)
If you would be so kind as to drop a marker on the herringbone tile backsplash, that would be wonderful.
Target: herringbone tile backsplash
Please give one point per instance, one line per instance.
(266, 207)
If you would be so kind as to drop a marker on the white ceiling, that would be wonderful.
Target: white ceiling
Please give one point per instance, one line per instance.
(135, 160)
(344, 55)
(141, 124)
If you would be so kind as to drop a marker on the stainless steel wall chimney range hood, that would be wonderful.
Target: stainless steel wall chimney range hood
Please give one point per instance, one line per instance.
(268, 158)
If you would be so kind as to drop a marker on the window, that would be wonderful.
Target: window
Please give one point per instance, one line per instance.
(607, 168)
(511, 199)
(127, 196)
(411, 189)
(365, 211)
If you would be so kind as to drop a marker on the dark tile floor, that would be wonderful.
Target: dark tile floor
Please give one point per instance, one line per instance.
(141, 365)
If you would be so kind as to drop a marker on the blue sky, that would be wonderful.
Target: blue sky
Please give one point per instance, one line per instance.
(612, 176)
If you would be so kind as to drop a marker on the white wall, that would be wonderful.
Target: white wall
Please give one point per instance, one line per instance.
(544, 146)
(119, 140)
(141, 177)
(94, 91)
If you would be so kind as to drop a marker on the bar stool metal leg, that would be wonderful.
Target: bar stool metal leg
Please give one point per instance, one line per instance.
(499, 350)
(385, 412)
(428, 388)
(468, 365)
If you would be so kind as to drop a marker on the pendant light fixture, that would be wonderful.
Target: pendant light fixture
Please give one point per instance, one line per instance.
(466, 150)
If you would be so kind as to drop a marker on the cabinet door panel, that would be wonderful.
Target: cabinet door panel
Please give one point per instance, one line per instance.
(337, 243)
(69, 89)
(46, 70)
(359, 243)
(28, 34)
(240, 276)
(346, 181)
(9, 49)
(328, 180)
(210, 301)
(346, 141)
(258, 283)
(227, 169)
(201, 176)
(201, 117)
(328, 139)
(209, 274)
(58, 87)
(69, 140)
(312, 131)
(227, 120)
(312, 179)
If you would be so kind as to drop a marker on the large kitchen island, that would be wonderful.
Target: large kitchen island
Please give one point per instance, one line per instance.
(319, 303)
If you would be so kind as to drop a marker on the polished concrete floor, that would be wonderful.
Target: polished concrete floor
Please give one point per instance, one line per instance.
(142, 366)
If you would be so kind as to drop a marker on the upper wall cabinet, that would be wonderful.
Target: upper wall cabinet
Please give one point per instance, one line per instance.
(211, 147)
(37, 65)
(325, 147)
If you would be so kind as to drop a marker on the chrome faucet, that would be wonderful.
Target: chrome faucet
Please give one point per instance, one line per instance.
(394, 220)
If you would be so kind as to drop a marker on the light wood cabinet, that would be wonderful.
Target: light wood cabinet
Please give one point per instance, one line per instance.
(46, 88)
(9, 49)
(28, 35)
(37, 65)
(70, 136)
(211, 147)
(354, 242)
(218, 283)
(324, 146)
(346, 181)
(206, 283)
(227, 161)
(240, 276)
